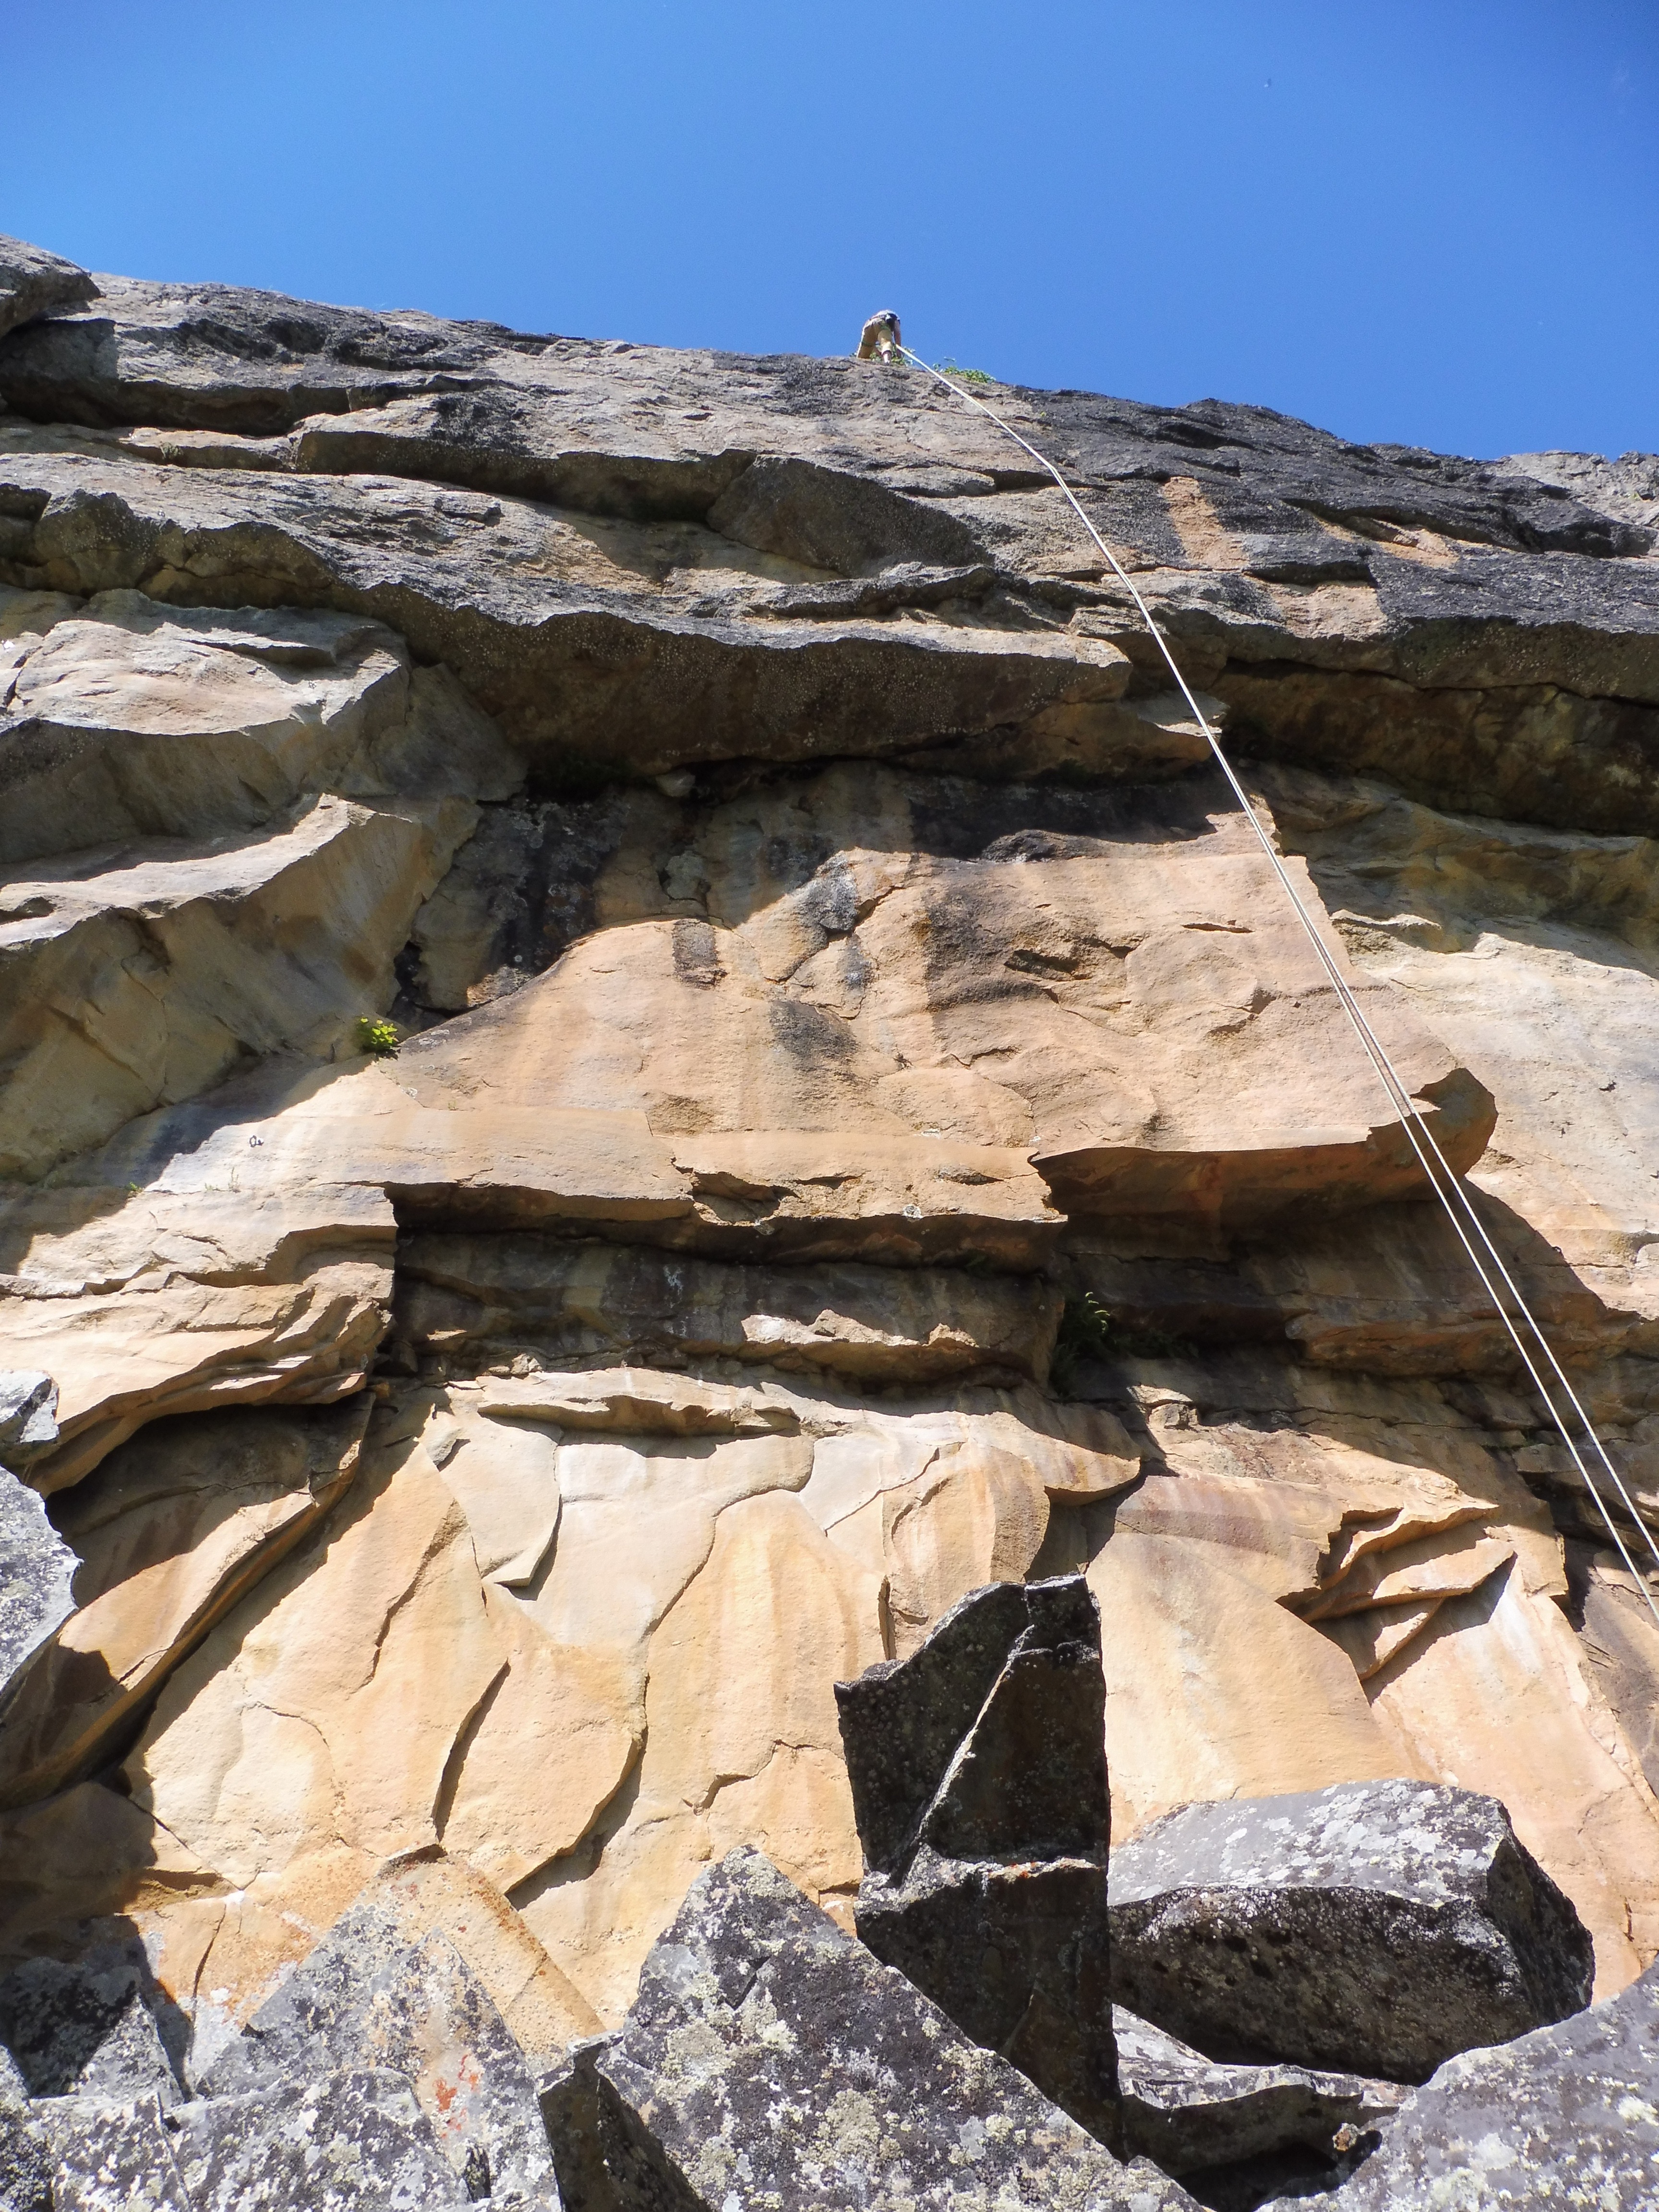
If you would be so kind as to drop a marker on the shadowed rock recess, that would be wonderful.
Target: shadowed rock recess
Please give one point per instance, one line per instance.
(868, 1175)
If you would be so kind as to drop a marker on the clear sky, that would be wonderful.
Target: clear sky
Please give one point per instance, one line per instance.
(1434, 222)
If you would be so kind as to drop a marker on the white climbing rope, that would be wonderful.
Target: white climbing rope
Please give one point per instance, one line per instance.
(1443, 1180)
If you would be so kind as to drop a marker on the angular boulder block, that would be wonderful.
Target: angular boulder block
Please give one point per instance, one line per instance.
(367, 1997)
(1563, 2116)
(1187, 2113)
(771, 2060)
(335, 2141)
(90, 2029)
(1376, 1928)
(988, 1742)
(28, 1410)
(1568, 2115)
(978, 1767)
(108, 2157)
(1029, 1779)
(1018, 1956)
(903, 1719)
(37, 1580)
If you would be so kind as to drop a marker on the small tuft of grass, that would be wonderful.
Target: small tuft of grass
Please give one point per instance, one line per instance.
(377, 1037)
(966, 375)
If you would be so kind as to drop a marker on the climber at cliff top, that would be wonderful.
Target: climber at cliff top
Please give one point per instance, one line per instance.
(879, 339)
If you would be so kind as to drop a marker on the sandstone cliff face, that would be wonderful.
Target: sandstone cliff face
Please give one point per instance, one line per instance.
(832, 981)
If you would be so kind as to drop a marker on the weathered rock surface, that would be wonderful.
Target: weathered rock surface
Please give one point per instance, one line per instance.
(129, 721)
(135, 978)
(769, 2058)
(366, 1998)
(877, 958)
(508, 1295)
(979, 1780)
(1565, 2115)
(172, 1530)
(37, 1575)
(107, 2156)
(681, 514)
(352, 2140)
(1187, 2113)
(26, 2175)
(862, 1131)
(33, 282)
(1374, 1928)
(90, 2029)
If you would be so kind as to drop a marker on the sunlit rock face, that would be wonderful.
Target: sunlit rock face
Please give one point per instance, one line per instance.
(867, 1124)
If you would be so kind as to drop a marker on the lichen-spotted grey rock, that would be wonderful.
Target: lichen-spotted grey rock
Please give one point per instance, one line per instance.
(770, 2060)
(1373, 1928)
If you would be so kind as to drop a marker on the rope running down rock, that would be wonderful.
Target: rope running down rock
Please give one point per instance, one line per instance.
(1442, 1178)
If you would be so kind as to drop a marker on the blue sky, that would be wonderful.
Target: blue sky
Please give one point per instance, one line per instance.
(1435, 222)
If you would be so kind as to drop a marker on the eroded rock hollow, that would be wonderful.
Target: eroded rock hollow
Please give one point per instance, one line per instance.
(864, 1126)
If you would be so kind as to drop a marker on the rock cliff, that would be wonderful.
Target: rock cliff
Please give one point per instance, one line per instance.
(864, 1126)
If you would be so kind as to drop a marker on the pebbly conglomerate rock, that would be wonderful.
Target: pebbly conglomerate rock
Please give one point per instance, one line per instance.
(1374, 1928)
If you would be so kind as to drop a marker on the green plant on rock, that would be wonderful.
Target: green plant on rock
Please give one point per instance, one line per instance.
(376, 1036)
(1084, 1331)
(966, 375)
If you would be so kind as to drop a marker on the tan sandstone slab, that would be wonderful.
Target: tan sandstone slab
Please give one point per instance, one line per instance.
(911, 1325)
(140, 720)
(171, 1532)
(815, 974)
(135, 977)
(140, 1302)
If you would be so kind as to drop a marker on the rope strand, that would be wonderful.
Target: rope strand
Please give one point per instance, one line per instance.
(1442, 1178)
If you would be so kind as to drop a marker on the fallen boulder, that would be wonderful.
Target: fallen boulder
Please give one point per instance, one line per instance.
(36, 1577)
(978, 1767)
(342, 2140)
(106, 2157)
(89, 2029)
(988, 1742)
(1376, 1928)
(29, 1411)
(770, 2060)
(1018, 1956)
(1187, 2113)
(902, 1720)
(25, 2155)
(368, 2002)
(1568, 2115)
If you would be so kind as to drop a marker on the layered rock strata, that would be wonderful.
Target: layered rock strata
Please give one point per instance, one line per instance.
(864, 1129)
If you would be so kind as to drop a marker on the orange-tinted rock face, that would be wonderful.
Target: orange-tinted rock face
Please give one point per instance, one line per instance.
(867, 1126)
